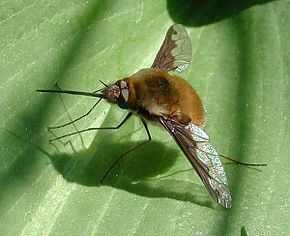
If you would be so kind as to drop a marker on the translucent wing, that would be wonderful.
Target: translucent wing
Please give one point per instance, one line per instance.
(196, 146)
(175, 52)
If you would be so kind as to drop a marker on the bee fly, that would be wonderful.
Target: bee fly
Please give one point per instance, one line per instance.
(168, 100)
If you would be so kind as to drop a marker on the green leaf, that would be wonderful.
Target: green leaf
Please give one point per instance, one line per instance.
(240, 68)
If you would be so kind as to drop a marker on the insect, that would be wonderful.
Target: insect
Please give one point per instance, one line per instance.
(157, 95)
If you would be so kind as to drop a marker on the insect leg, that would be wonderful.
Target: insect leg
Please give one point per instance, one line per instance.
(73, 121)
(127, 152)
(81, 138)
(90, 129)
(242, 163)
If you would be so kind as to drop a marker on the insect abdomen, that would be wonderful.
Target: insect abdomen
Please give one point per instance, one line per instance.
(190, 102)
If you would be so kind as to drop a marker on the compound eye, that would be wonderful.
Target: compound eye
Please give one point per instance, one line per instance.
(123, 84)
(125, 94)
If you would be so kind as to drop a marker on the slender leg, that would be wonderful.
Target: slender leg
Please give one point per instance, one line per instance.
(98, 90)
(90, 129)
(81, 138)
(127, 152)
(73, 121)
(56, 85)
(242, 163)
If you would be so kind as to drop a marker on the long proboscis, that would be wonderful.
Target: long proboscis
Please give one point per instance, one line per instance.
(98, 95)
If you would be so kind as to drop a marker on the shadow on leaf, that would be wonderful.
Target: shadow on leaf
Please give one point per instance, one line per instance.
(198, 13)
(135, 173)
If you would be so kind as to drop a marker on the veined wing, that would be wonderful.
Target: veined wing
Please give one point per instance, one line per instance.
(196, 146)
(175, 52)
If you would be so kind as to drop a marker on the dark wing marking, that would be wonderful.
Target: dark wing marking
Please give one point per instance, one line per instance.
(196, 146)
(175, 52)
